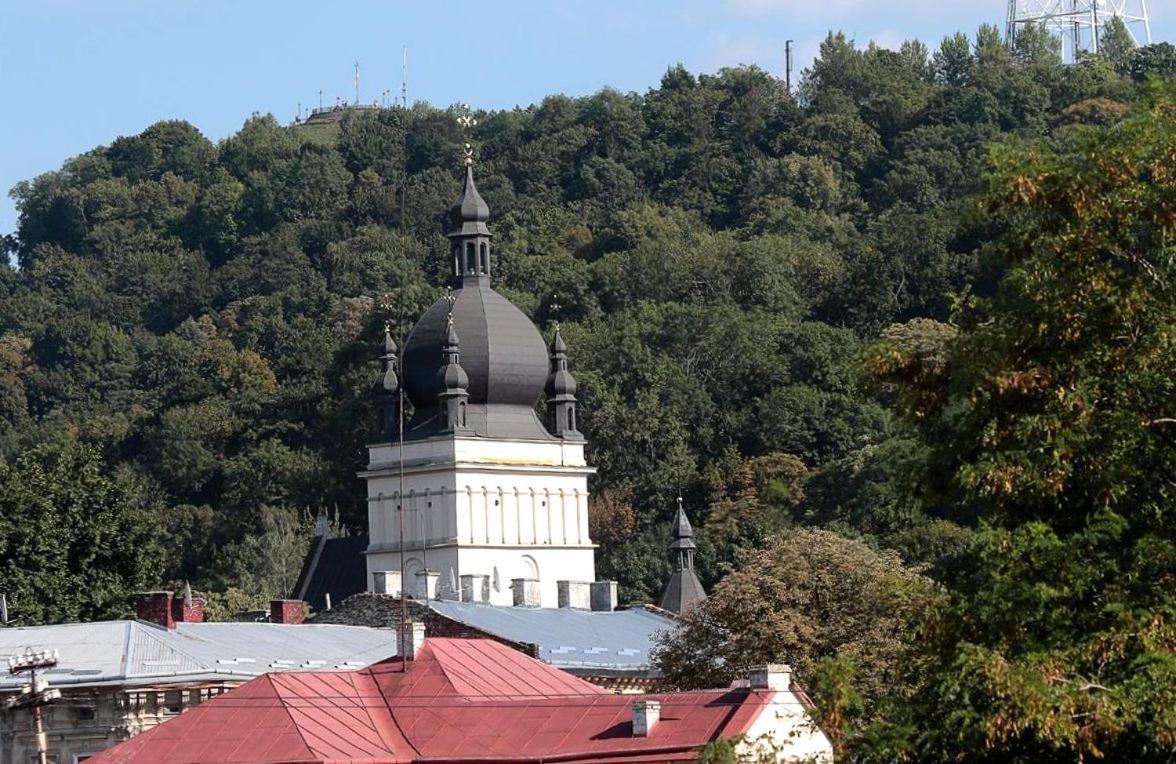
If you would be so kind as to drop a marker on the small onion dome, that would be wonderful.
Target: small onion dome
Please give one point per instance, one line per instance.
(560, 382)
(388, 382)
(451, 376)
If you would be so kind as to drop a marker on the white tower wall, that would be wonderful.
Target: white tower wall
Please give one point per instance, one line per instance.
(498, 508)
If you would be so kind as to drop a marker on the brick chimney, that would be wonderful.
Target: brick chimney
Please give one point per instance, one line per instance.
(286, 611)
(646, 713)
(187, 609)
(574, 594)
(156, 608)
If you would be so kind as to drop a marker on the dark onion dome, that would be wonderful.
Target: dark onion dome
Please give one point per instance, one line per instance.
(560, 382)
(502, 353)
(387, 382)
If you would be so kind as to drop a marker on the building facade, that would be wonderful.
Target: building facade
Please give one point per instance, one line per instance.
(119, 679)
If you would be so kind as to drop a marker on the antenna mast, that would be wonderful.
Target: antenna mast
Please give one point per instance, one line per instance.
(404, 79)
(788, 66)
(357, 83)
(1079, 23)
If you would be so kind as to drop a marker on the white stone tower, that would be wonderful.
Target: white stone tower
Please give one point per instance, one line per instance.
(496, 502)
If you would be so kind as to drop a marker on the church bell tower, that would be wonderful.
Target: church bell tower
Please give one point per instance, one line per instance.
(494, 500)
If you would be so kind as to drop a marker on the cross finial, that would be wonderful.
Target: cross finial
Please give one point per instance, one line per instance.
(467, 121)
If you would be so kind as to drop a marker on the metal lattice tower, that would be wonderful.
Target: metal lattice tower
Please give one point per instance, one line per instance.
(1079, 23)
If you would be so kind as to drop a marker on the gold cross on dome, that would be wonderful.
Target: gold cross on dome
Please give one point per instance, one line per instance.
(467, 121)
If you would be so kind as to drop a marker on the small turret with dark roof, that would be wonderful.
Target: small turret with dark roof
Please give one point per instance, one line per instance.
(470, 235)
(683, 591)
(452, 383)
(561, 392)
(386, 389)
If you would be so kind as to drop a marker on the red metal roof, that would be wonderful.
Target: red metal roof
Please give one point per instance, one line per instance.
(461, 700)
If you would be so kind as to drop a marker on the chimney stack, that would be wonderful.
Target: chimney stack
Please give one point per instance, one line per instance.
(773, 676)
(646, 714)
(527, 592)
(386, 582)
(286, 611)
(410, 638)
(574, 594)
(603, 595)
(475, 587)
(187, 609)
(426, 583)
(156, 608)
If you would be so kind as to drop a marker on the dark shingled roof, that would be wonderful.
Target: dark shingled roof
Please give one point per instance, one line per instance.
(683, 591)
(332, 566)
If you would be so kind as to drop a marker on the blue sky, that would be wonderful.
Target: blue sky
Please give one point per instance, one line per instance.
(78, 73)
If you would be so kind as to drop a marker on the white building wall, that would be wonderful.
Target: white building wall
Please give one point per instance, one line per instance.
(784, 732)
(511, 508)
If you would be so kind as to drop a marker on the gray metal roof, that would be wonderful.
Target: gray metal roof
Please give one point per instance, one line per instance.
(567, 638)
(138, 653)
(502, 353)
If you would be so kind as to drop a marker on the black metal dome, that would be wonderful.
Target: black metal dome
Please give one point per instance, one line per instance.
(501, 351)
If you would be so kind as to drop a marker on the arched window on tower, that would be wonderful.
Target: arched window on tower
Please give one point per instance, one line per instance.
(457, 259)
(484, 258)
(469, 264)
(571, 418)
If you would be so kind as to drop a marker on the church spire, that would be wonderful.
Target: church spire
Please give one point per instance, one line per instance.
(469, 236)
(387, 386)
(452, 382)
(561, 392)
(683, 590)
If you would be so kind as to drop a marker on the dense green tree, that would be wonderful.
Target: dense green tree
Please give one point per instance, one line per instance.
(1052, 418)
(824, 603)
(76, 539)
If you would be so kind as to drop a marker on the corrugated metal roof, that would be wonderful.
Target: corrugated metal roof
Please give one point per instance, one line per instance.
(619, 639)
(135, 652)
(461, 700)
